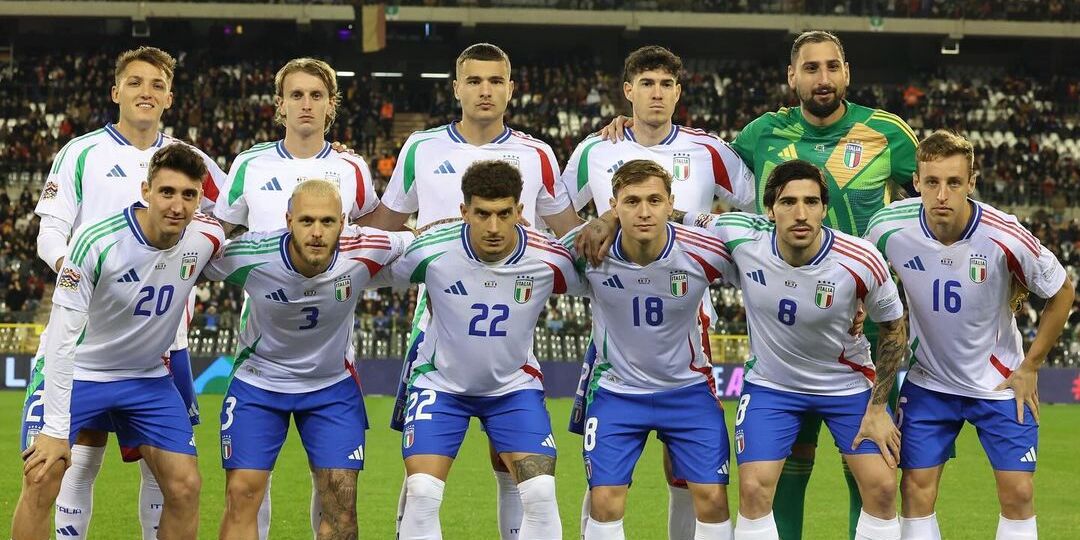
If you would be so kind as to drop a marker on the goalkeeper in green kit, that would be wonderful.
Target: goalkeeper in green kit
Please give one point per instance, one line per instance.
(860, 150)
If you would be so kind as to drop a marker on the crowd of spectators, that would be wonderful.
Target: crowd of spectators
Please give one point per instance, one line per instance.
(1026, 129)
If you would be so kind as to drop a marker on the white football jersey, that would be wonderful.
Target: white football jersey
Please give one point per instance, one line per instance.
(262, 179)
(100, 173)
(701, 165)
(133, 293)
(427, 177)
(963, 335)
(479, 341)
(645, 319)
(799, 317)
(298, 335)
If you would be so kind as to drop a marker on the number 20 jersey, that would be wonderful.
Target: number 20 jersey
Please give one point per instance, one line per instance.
(799, 317)
(963, 334)
(483, 315)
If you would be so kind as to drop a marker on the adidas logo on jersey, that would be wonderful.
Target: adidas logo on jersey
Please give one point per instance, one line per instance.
(445, 168)
(616, 166)
(723, 469)
(116, 172)
(457, 288)
(757, 275)
(129, 277)
(358, 454)
(1028, 457)
(915, 264)
(614, 281)
(67, 531)
(549, 442)
(278, 296)
(272, 185)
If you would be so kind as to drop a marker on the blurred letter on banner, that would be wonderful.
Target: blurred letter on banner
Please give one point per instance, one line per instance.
(374, 21)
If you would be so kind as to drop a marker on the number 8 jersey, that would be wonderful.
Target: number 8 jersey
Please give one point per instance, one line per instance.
(483, 315)
(964, 339)
(799, 317)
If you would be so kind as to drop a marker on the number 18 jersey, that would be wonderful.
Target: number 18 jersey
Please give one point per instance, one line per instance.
(799, 317)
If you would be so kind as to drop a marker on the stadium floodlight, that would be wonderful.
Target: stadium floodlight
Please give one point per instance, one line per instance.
(346, 73)
(429, 75)
(388, 74)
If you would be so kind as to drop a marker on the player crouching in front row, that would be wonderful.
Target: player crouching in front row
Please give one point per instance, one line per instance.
(816, 278)
(106, 340)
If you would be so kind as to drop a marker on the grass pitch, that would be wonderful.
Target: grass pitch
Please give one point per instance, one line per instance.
(967, 507)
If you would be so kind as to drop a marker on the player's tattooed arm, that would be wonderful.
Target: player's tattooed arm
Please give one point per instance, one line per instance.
(892, 348)
(232, 230)
(677, 216)
(337, 493)
(533, 466)
(594, 240)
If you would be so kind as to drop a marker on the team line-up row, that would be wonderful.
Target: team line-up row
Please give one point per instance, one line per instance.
(816, 247)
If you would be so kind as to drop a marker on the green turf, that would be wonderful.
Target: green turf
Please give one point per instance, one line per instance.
(967, 507)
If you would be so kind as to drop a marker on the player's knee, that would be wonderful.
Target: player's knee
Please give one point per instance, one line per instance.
(1016, 495)
(244, 492)
(711, 504)
(42, 495)
(879, 492)
(918, 493)
(755, 495)
(606, 505)
(537, 491)
(424, 486)
(182, 487)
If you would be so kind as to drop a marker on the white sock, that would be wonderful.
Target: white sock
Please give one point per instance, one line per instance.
(680, 513)
(151, 502)
(586, 504)
(316, 508)
(540, 516)
(75, 502)
(712, 531)
(1016, 529)
(421, 517)
(510, 510)
(873, 528)
(762, 528)
(924, 528)
(264, 511)
(608, 530)
(401, 505)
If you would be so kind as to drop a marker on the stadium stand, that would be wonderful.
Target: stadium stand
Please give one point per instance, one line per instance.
(1025, 128)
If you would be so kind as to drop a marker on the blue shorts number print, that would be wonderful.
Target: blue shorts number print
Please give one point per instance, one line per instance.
(767, 421)
(143, 411)
(577, 413)
(435, 422)
(180, 367)
(688, 420)
(930, 421)
(332, 423)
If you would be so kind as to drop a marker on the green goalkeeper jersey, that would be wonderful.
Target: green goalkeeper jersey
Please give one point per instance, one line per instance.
(859, 153)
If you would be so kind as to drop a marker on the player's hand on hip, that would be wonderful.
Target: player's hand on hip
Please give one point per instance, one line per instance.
(857, 323)
(1025, 386)
(594, 240)
(878, 426)
(614, 130)
(44, 452)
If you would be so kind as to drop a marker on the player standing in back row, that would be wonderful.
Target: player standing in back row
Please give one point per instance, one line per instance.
(958, 260)
(702, 168)
(427, 181)
(92, 177)
(859, 150)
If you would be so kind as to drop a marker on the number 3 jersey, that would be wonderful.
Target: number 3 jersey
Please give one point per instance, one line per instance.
(480, 338)
(133, 293)
(646, 318)
(963, 334)
(799, 317)
(298, 333)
